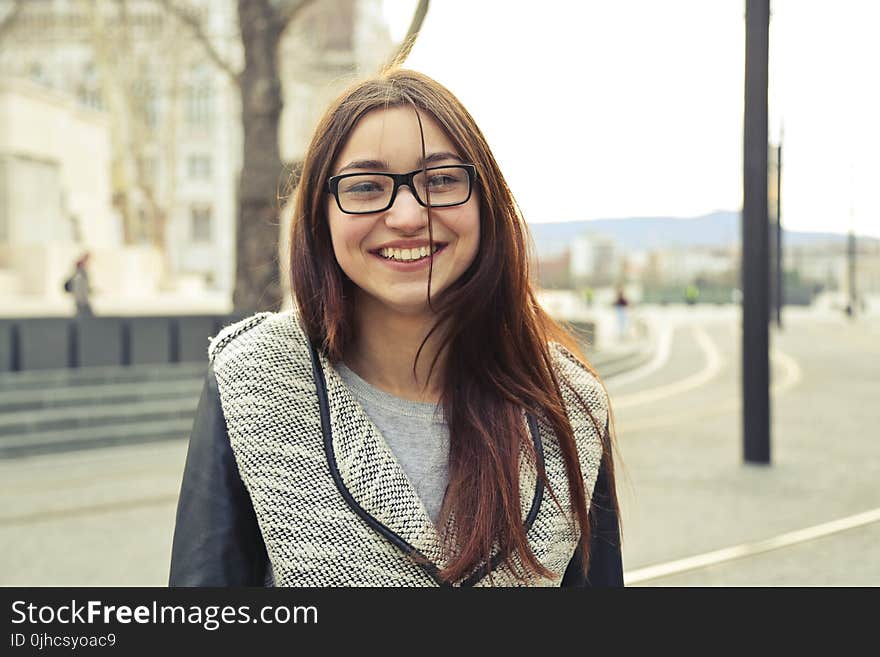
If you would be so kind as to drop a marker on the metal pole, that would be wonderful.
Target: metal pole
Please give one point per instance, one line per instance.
(755, 238)
(780, 279)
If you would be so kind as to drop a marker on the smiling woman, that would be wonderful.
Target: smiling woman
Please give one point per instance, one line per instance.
(418, 419)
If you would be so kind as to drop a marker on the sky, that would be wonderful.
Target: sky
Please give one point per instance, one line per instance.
(599, 109)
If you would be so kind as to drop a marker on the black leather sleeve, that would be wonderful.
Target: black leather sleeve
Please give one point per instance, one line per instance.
(217, 541)
(606, 562)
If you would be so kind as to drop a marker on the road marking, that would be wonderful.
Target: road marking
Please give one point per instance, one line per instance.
(789, 375)
(664, 347)
(750, 549)
(709, 371)
(89, 510)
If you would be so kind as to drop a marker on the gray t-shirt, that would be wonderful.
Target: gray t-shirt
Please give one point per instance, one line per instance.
(416, 432)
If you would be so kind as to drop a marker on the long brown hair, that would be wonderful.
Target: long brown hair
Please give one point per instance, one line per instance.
(498, 353)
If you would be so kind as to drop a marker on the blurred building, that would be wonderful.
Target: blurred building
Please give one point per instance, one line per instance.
(827, 265)
(595, 260)
(173, 136)
(554, 273)
(635, 264)
(690, 264)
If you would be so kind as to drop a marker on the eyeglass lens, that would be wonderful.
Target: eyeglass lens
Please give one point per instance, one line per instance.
(371, 192)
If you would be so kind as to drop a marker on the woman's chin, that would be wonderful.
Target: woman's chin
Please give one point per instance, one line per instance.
(411, 305)
(408, 307)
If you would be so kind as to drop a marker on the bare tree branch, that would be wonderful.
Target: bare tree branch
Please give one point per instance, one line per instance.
(8, 21)
(176, 9)
(404, 47)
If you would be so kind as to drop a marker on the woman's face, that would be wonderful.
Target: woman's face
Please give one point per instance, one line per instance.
(371, 248)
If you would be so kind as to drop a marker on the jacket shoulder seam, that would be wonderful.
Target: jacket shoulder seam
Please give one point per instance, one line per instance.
(563, 352)
(229, 333)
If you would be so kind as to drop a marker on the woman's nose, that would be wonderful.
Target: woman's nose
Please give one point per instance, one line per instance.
(406, 214)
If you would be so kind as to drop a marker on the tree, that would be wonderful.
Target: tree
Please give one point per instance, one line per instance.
(128, 82)
(262, 24)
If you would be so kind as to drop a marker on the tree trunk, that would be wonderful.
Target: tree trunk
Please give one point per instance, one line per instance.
(257, 284)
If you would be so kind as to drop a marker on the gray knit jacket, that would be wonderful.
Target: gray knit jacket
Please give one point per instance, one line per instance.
(326, 502)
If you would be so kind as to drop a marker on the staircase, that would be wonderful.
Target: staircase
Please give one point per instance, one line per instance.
(71, 409)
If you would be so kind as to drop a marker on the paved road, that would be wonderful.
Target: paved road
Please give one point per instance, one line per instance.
(686, 491)
(105, 517)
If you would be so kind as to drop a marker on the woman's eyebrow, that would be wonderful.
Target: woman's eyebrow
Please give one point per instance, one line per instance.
(445, 155)
(375, 165)
(382, 165)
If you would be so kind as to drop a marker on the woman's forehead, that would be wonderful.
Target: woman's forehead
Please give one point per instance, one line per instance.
(393, 136)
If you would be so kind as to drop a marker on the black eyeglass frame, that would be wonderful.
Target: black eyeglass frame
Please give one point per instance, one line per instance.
(401, 179)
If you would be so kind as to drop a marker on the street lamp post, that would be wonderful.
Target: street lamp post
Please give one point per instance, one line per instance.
(755, 238)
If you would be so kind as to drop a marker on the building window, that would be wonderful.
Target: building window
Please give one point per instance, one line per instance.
(90, 88)
(91, 98)
(199, 167)
(200, 99)
(143, 228)
(200, 224)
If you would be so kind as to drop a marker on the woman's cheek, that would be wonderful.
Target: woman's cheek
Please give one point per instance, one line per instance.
(348, 239)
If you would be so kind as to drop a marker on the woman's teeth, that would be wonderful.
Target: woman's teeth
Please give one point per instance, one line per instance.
(407, 255)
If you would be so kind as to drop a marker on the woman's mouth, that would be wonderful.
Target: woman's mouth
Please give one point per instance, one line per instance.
(407, 256)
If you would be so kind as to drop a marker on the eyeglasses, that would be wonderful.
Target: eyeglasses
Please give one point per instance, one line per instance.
(365, 193)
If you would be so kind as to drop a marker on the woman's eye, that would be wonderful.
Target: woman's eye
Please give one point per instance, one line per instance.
(363, 187)
(442, 181)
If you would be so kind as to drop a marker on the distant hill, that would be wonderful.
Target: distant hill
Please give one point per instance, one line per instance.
(646, 233)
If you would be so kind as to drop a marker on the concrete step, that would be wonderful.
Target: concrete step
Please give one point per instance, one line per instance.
(40, 399)
(93, 437)
(91, 376)
(92, 416)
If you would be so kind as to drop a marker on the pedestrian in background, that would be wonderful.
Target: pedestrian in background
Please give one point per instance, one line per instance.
(621, 304)
(418, 419)
(78, 285)
(588, 296)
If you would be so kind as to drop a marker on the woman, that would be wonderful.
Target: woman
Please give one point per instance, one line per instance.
(416, 420)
